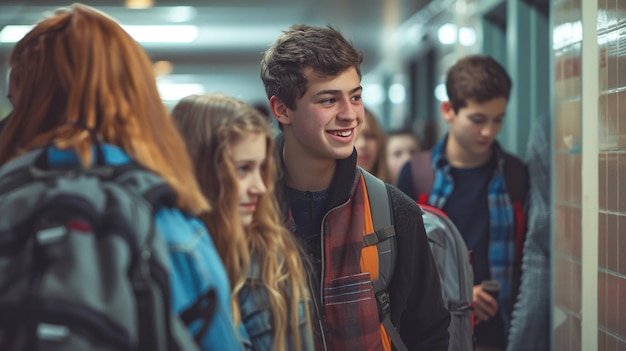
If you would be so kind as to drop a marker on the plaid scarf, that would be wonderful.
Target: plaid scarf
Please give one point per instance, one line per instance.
(501, 221)
(350, 308)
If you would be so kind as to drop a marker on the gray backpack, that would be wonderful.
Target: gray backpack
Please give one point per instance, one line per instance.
(455, 271)
(451, 257)
(82, 266)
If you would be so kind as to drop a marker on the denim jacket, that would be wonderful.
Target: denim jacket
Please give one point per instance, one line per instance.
(195, 264)
(256, 317)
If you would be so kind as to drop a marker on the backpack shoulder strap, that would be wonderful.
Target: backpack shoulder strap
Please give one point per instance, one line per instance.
(423, 175)
(385, 240)
(145, 182)
(516, 178)
(151, 187)
(517, 182)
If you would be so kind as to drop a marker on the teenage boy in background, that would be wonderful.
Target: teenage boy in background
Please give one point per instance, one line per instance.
(479, 186)
(313, 81)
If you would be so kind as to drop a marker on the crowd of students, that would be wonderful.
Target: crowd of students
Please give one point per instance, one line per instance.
(273, 222)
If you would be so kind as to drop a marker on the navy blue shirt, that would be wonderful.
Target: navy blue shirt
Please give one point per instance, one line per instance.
(468, 208)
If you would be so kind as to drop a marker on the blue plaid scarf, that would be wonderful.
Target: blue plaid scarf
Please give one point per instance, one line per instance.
(501, 221)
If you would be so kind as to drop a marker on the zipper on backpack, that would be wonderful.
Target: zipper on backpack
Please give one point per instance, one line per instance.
(56, 321)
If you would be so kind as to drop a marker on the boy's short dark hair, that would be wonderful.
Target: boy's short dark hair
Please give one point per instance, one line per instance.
(478, 78)
(323, 49)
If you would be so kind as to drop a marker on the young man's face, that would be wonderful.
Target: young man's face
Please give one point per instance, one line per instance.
(327, 119)
(475, 127)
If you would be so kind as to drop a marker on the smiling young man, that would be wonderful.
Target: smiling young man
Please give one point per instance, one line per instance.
(481, 187)
(313, 82)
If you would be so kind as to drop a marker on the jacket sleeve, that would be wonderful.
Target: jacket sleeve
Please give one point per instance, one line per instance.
(530, 325)
(195, 267)
(416, 302)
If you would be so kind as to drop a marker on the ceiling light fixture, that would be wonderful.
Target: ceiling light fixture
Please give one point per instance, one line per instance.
(441, 93)
(162, 34)
(141, 33)
(447, 34)
(397, 93)
(13, 33)
(467, 36)
(373, 94)
(180, 14)
(176, 91)
(162, 68)
(138, 4)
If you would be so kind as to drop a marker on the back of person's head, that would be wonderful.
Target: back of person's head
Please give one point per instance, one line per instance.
(322, 49)
(211, 125)
(77, 71)
(373, 161)
(478, 78)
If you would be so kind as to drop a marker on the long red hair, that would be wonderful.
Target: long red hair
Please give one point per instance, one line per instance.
(79, 67)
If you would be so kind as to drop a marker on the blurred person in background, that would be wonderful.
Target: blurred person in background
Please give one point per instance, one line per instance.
(370, 147)
(401, 145)
(480, 186)
(530, 324)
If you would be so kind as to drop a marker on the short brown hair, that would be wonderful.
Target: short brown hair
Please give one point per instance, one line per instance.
(478, 78)
(323, 49)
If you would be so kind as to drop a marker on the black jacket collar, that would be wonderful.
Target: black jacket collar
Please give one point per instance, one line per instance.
(340, 188)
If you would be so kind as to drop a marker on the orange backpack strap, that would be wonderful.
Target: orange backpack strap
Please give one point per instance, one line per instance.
(378, 254)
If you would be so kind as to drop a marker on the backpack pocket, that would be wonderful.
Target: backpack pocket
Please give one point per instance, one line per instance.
(351, 312)
(59, 325)
(460, 327)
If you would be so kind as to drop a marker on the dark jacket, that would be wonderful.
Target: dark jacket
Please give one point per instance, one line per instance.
(417, 309)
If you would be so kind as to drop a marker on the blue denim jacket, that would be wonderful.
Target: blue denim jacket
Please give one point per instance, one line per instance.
(256, 317)
(194, 261)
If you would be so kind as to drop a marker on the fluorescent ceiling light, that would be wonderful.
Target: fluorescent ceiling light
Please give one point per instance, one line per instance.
(467, 36)
(162, 34)
(139, 4)
(177, 91)
(441, 93)
(447, 34)
(13, 33)
(373, 94)
(182, 13)
(397, 93)
(142, 34)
